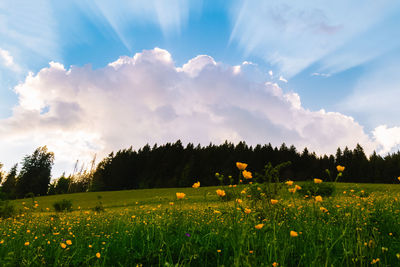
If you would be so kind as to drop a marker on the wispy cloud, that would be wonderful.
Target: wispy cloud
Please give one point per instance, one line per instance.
(295, 35)
(147, 99)
(8, 61)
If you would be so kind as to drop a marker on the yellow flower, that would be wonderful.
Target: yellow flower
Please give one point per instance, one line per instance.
(63, 245)
(217, 212)
(180, 195)
(247, 174)
(98, 255)
(27, 243)
(274, 201)
(398, 178)
(292, 190)
(374, 261)
(293, 234)
(340, 168)
(90, 246)
(243, 191)
(69, 242)
(196, 185)
(171, 203)
(289, 183)
(220, 193)
(318, 199)
(317, 181)
(218, 250)
(247, 211)
(298, 187)
(259, 226)
(241, 166)
(239, 201)
(323, 209)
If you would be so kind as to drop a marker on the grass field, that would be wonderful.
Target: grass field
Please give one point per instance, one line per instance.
(153, 228)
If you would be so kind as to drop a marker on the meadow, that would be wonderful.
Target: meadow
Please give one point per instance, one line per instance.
(359, 225)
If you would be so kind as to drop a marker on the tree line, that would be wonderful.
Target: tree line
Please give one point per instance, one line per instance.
(176, 165)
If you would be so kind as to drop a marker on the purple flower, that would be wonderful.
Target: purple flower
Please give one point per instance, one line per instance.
(187, 234)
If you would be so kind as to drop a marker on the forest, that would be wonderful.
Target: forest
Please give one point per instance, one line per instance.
(176, 165)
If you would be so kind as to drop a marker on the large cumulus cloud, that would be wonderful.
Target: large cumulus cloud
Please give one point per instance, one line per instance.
(143, 99)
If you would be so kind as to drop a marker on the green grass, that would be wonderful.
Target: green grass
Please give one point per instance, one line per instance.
(142, 227)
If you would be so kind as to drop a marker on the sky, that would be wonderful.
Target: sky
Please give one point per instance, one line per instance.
(87, 78)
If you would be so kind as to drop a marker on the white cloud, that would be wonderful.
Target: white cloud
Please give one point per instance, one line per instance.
(326, 75)
(282, 79)
(146, 99)
(388, 138)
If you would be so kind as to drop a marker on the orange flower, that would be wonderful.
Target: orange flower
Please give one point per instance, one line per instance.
(241, 166)
(298, 187)
(239, 201)
(275, 264)
(289, 183)
(180, 195)
(274, 201)
(317, 181)
(323, 209)
(340, 168)
(247, 211)
(98, 255)
(398, 178)
(27, 243)
(293, 234)
(259, 226)
(292, 190)
(69, 242)
(196, 185)
(63, 245)
(221, 193)
(247, 174)
(318, 199)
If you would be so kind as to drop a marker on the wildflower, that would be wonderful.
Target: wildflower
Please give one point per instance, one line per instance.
(323, 209)
(247, 211)
(196, 185)
(27, 243)
(241, 166)
(187, 234)
(289, 183)
(293, 234)
(243, 191)
(247, 174)
(171, 203)
(259, 226)
(63, 245)
(298, 187)
(2, 241)
(340, 168)
(292, 190)
(317, 181)
(239, 201)
(251, 252)
(274, 201)
(180, 195)
(69, 242)
(90, 246)
(218, 250)
(398, 255)
(221, 193)
(98, 255)
(318, 199)
(275, 264)
(375, 260)
(217, 212)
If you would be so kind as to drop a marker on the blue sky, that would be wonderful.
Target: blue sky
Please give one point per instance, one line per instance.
(338, 57)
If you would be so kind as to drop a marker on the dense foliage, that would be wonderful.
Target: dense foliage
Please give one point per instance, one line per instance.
(176, 165)
(173, 165)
